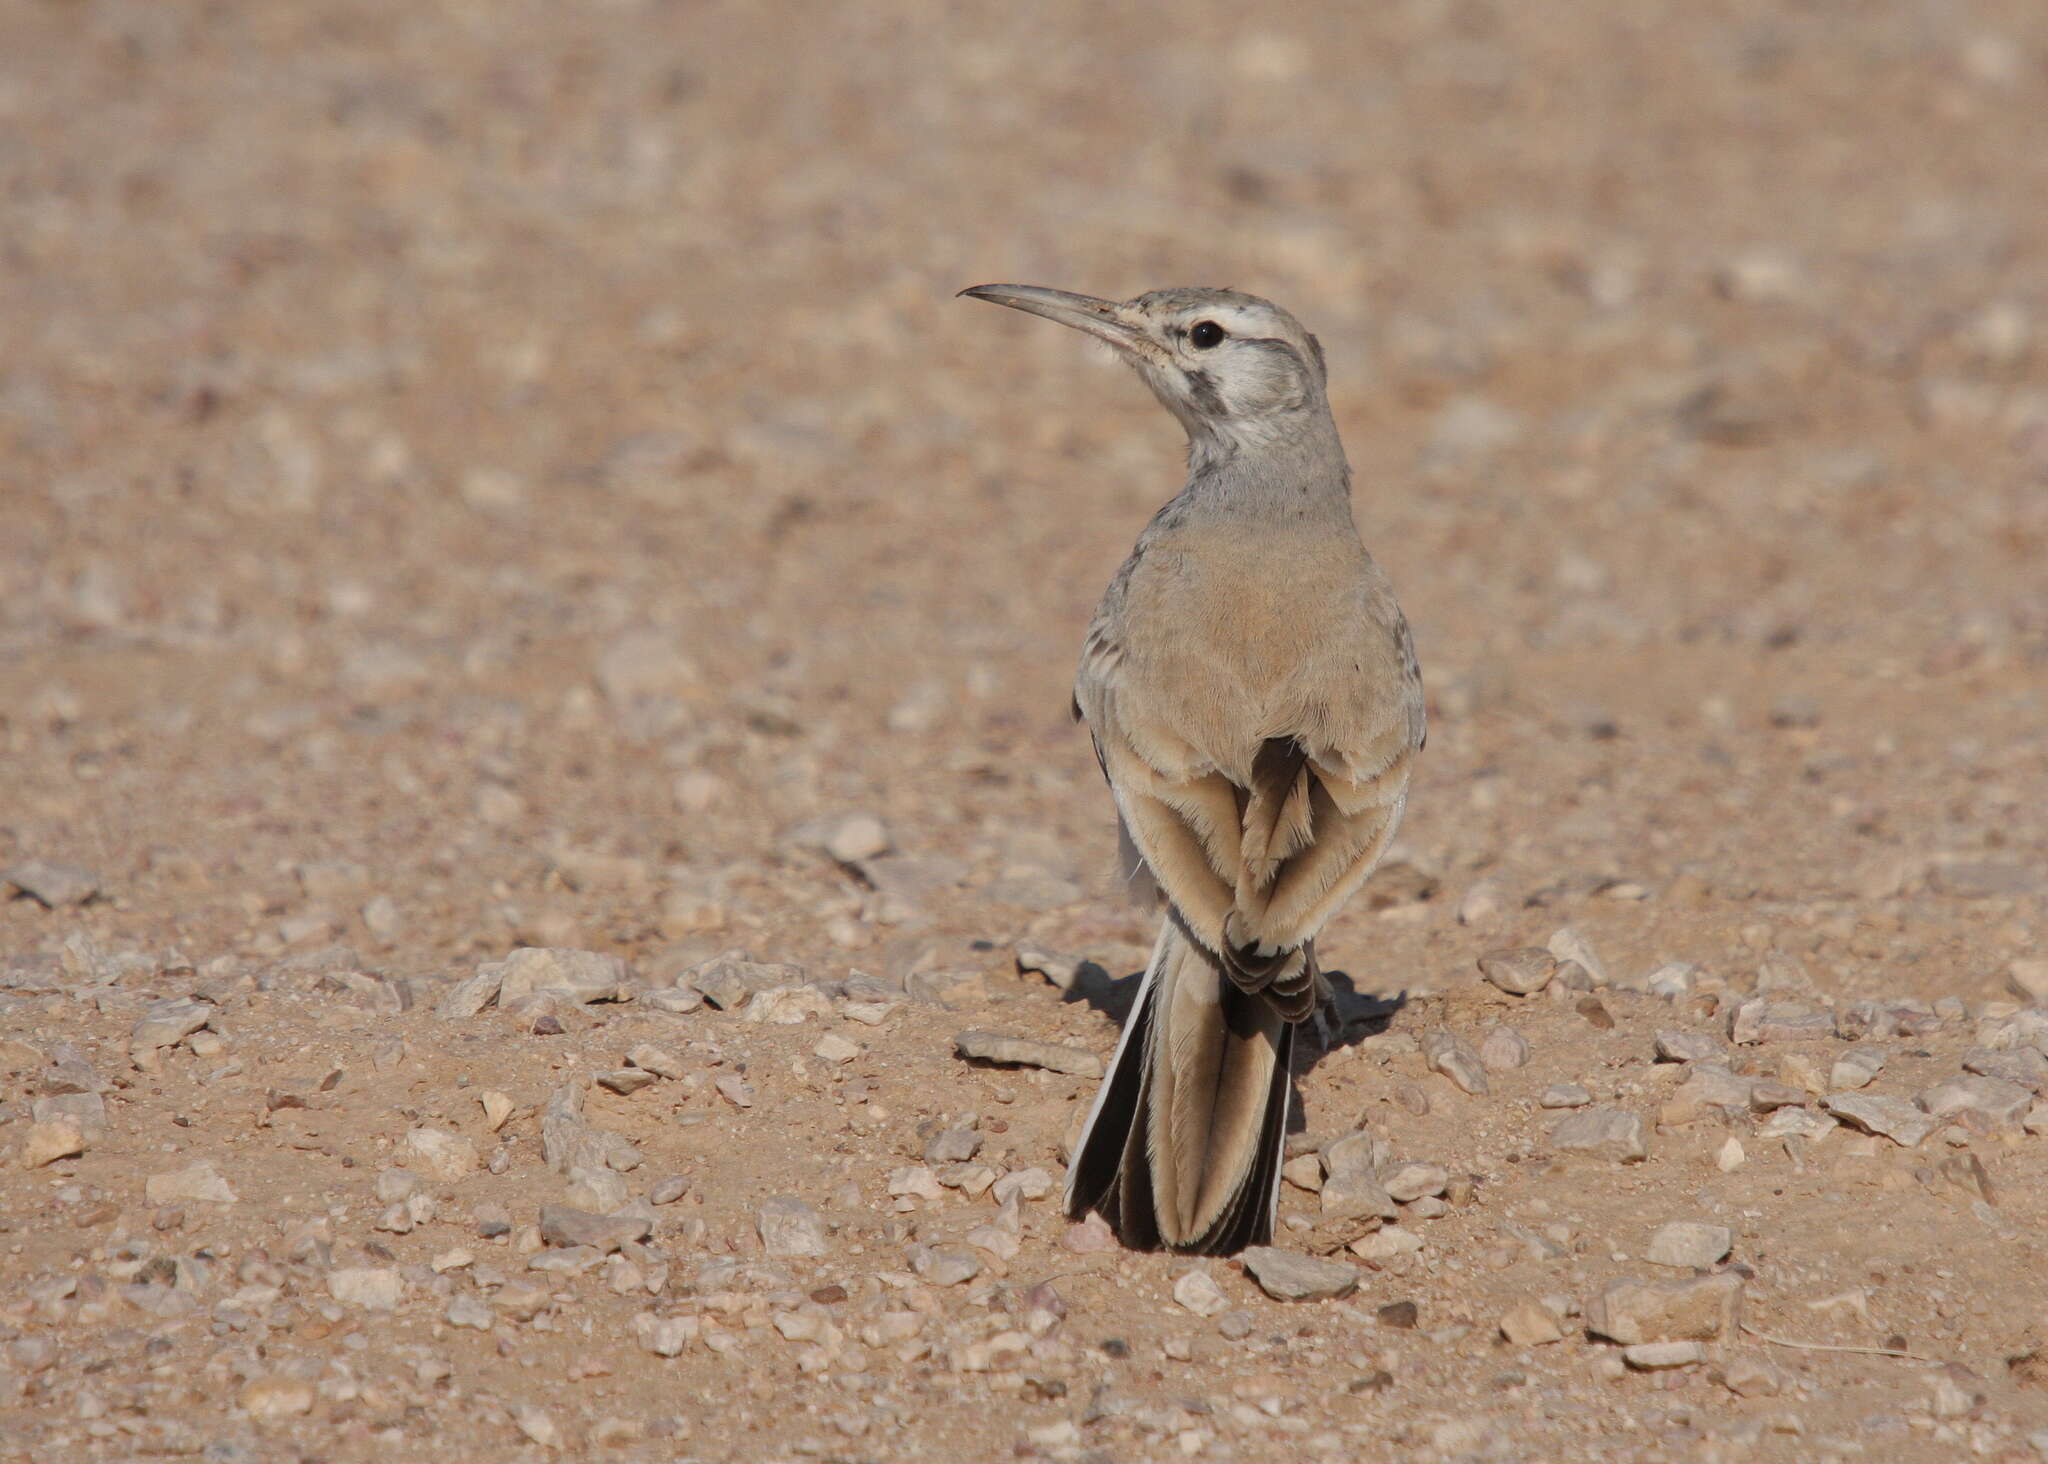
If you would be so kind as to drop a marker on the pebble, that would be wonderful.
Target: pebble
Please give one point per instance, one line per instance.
(471, 995)
(579, 976)
(1520, 971)
(1386, 1243)
(969, 1179)
(1529, 1323)
(1856, 1068)
(1351, 1194)
(497, 1108)
(51, 1140)
(1563, 1095)
(1651, 1356)
(1288, 1276)
(735, 1090)
(1752, 1377)
(1481, 903)
(1674, 1046)
(167, 1023)
(598, 1191)
(657, 1060)
(836, 1049)
(1401, 1315)
(729, 982)
(997, 1047)
(1355, 1153)
(665, 1336)
(1630, 1311)
(1198, 1292)
(1025, 1184)
(373, 1288)
(1998, 1101)
(854, 837)
(1609, 1133)
(790, 1227)
(787, 1006)
(442, 1154)
(952, 1146)
(945, 1265)
(469, 1311)
(1760, 1020)
(564, 1225)
(1503, 1049)
(51, 884)
(1765, 1095)
(1304, 1171)
(1730, 1156)
(668, 1191)
(1089, 1236)
(1455, 1059)
(1671, 980)
(916, 1181)
(1802, 1123)
(2028, 979)
(538, 1427)
(2022, 1065)
(1707, 1085)
(1688, 1245)
(1763, 275)
(1567, 945)
(276, 1397)
(1412, 1181)
(196, 1181)
(1893, 1118)
(627, 1081)
(677, 1001)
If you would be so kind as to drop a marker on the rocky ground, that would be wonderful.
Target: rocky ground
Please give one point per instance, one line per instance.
(555, 907)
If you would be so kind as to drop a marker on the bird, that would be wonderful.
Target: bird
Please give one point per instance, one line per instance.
(1252, 691)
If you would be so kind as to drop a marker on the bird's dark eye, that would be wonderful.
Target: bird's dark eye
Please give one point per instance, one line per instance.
(1205, 335)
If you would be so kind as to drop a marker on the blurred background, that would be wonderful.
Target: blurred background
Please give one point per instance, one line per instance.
(488, 472)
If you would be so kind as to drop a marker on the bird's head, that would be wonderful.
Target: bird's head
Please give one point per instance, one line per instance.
(1236, 370)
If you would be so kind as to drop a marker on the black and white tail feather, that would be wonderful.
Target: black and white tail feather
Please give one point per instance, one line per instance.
(1182, 1148)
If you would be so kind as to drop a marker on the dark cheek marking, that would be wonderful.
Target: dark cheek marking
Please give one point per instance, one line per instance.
(1202, 392)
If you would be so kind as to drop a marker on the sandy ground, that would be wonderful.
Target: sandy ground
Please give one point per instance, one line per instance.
(513, 475)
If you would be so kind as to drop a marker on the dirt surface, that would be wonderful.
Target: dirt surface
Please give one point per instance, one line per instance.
(514, 475)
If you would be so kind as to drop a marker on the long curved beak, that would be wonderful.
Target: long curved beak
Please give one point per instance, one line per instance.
(1106, 320)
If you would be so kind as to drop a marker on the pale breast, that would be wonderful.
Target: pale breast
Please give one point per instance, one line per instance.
(1227, 639)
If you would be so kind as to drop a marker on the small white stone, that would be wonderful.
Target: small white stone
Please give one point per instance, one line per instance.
(374, 1288)
(536, 1425)
(442, 1154)
(1731, 1156)
(1386, 1243)
(275, 1397)
(1030, 1184)
(834, 1048)
(197, 1181)
(59, 1138)
(1198, 1292)
(1687, 1244)
(1650, 1356)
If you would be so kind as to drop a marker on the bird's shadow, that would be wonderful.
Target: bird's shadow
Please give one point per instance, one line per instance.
(1349, 1016)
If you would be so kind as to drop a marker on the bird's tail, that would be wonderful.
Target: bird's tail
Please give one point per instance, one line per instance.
(1182, 1149)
